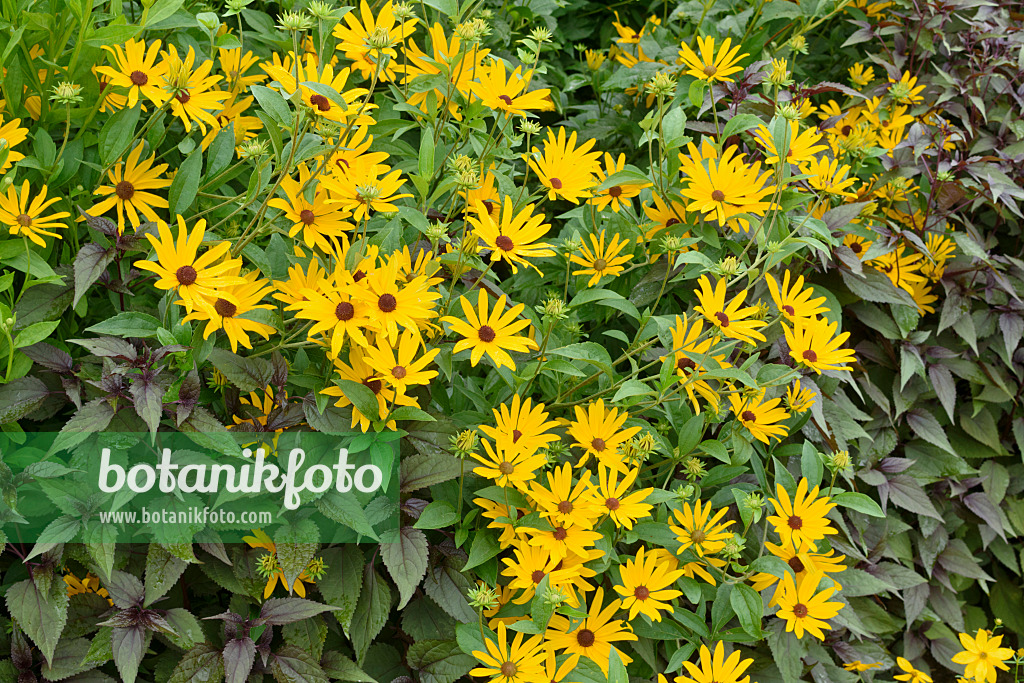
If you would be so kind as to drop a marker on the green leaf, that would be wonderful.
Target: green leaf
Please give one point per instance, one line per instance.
(273, 103)
(41, 615)
(35, 333)
(91, 262)
(162, 571)
(426, 156)
(404, 552)
(280, 611)
(202, 663)
(127, 324)
(347, 510)
(740, 123)
(361, 396)
(371, 613)
(248, 374)
(437, 515)
(746, 602)
(859, 502)
(117, 131)
(343, 582)
(185, 184)
(21, 397)
(484, 547)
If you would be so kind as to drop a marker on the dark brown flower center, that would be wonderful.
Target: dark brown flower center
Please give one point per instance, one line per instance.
(387, 302)
(124, 190)
(671, 221)
(799, 610)
(399, 372)
(358, 275)
(183, 97)
(503, 242)
(789, 310)
(307, 217)
(489, 205)
(641, 592)
(615, 191)
(856, 247)
(486, 334)
(810, 356)
(795, 564)
(565, 507)
(685, 364)
(722, 318)
(506, 99)
(537, 576)
(600, 264)
(375, 385)
(516, 435)
(509, 669)
(506, 467)
(749, 416)
(585, 637)
(612, 504)
(598, 444)
(186, 275)
(795, 523)
(320, 102)
(710, 70)
(344, 311)
(561, 534)
(24, 220)
(556, 183)
(139, 78)
(718, 196)
(846, 130)
(225, 309)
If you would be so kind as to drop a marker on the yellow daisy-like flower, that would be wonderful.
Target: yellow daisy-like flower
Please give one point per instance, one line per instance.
(522, 425)
(599, 259)
(226, 315)
(723, 188)
(508, 466)
(193, 97)
(802, 145)
(802, 520)
(829, 176)
(708, 65)
(23, 215)
(734, 320)
(507, 92)
(794, 302)
(910, 674)
(370, 44)
(799, 399)
(566, 170)
(804, 609)
(12, 136)
(564, 541)
(358, 370)
(493, 334)
(860, 75)
(813, 343)
(599, 433)
(234, 65)
(646, 585)
(196, 278)
(349, 109)
(515, 662)
(665, 216)
(616, 195)
(687, 344)
(982, 656)
(137, 69)
(696, 528)
(364, 188)
(513, 237)
(594, 637)
(760, 417)
(563, 503)
(623, 507)
(802, 561)
(906, 90)
(336, 314)
(419, 63)
(395, 304)
(399, 367)
(717, 668)
(316, 220)
(132, 183)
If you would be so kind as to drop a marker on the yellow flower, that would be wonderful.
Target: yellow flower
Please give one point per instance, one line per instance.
(507, 93)
(687, 344)
(861, 76)
(566, 170)
(803, 519)
(802, 561)
(709, 66)
(365, 187)
(911, 674)
(799, 399)
(12, 136)
(623, 507)
(393, 304)
(906, 90)
(794, 303)
(812, 343)
(664, 216)
(802, 145)
(90, 584)
(494, 334)
(357, 370)
(521, 425)
(191, 86)
(370, 43)
(234, 65)
(734, 320)
(399, 367)
(717, 668)
(727, 187)
(25, 218)
(132, 183)
(336, 313)
(517, 662)
(601, 259)
(223, 314)
(594, 637)
(982, 656)
(760, 417)
(196, 278)
(616, 195)
(564, 504)
(443, 52)
(803, 609)
(350, 108)
(316, 219)
(513, 236)
(507, 465)
(647, 585)
(600, 433)
(696, 528)
(860, 666)
(829, 176)
(136, 68)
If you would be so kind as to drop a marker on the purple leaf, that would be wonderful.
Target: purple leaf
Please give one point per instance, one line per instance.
(239, 655)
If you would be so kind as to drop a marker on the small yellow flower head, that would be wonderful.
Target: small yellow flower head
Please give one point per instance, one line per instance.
(798, 44)
(662, 85)
(66, 93)
(694, 468)
(779, 75)
(554, 309)
(267, 565)
(464, 442)
(529, 127)
(316, 568)
(594, 59)
(645, 443)
(999, 622)
(838, 461)
(730, 266)
(294, 21)
(483, 598)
